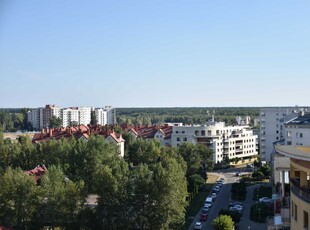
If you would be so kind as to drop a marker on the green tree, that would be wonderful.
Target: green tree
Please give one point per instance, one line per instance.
(223, 222)
(93, 118)
(19, 198)
(63, 199)
(55, 122)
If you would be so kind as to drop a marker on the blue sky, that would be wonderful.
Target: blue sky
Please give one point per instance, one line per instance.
(161, 53)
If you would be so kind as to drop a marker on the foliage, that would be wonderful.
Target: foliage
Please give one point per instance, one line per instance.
(264, 171)
(14, 120)
(260, 211)
(18, 198)
(238, 191)
(152, 194)
(193, 115)
(93, 118)
(223, 222)
(235, 215)
(55, 122)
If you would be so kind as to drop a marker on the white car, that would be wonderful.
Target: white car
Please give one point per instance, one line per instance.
(237, 208)
(265, 200)
(198, 225)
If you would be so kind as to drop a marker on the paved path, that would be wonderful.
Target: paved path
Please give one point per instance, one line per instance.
(221, 201)
(246, 223)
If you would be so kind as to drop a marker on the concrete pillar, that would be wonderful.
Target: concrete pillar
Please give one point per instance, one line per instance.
(292, 172)
(282, 184)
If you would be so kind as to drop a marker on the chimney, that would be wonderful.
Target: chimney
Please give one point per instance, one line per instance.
(42, 131)
(88, 132)
(51, 133)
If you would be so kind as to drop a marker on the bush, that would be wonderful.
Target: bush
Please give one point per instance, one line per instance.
(235, 216)
(223, 222)
(260, 211)
(238, 191)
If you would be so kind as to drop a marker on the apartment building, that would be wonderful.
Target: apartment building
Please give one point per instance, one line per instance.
(225, 141)
(40, 117)
(299, 171)
(272, 121)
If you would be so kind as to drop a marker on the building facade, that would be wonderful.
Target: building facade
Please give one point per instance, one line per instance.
(272, 121)
(225, 141)
(71, 116)
(299, 159)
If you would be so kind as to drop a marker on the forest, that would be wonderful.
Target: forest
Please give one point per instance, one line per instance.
(187, 115)
(147, 189)
(12, 120)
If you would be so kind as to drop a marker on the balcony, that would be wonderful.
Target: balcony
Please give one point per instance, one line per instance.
(301, 192)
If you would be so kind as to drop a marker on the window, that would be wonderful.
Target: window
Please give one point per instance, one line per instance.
(209, 133)
(176, 131)
(277, 131)
(295, 216)
(293, 211)
(178, 139)
(289, 133)
(196, 132)
(185, 139)
(301, 135)
(183, 132)
(203, 133)
(289, 143)
(306, 220)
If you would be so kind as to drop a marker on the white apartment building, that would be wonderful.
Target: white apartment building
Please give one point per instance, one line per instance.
(70, 116)
(110, 115)
(101, 116)
(40, 117)
(225, 141)
(272, 127)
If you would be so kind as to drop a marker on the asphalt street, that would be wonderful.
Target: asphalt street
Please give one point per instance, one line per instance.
(222, 201)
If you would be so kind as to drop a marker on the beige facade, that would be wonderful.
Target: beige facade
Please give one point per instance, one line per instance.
(299, 183)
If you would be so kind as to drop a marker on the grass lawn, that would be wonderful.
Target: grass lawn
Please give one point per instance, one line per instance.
(196, 204)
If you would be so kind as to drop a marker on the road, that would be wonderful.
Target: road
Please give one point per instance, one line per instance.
(221, 201)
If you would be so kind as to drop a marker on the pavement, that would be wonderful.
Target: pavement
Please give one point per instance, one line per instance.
(246, 223)
(222, 201)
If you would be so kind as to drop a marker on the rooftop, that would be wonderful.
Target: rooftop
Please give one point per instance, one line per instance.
(296, 152)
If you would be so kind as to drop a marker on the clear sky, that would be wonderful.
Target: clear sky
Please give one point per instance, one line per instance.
(154, 53)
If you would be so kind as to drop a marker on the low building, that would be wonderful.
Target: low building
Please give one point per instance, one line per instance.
(82, 132)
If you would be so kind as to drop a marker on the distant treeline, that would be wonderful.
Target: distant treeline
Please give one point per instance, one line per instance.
(190, 115)
(12, 120)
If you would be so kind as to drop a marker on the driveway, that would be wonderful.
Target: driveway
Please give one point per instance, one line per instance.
(221, 201)
(246, 223)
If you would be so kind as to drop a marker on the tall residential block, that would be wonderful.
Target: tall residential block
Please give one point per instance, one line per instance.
(272, 121)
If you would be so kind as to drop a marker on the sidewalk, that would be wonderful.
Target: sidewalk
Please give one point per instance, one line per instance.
(246, 223)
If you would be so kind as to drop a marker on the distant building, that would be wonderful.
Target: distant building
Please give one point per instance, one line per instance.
(71, 116)
(225, 141)
(82, 132)
(272, 122)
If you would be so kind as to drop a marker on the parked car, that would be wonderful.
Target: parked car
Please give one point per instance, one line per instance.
(265, 200)
(214, 196)
(236, 208)
(204, 215)
(235, 203)
(205, 210)
(198, 225)
(216, 189)
(208, 202)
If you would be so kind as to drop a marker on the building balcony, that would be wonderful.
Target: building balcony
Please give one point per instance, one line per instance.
(301, 192)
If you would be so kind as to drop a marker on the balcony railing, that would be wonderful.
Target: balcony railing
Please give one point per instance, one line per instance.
(301, 192)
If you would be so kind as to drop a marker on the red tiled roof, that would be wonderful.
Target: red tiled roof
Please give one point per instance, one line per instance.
(37, 172)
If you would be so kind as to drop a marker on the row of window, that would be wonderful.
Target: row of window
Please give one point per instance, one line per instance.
(295, 215)
(298, 135)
